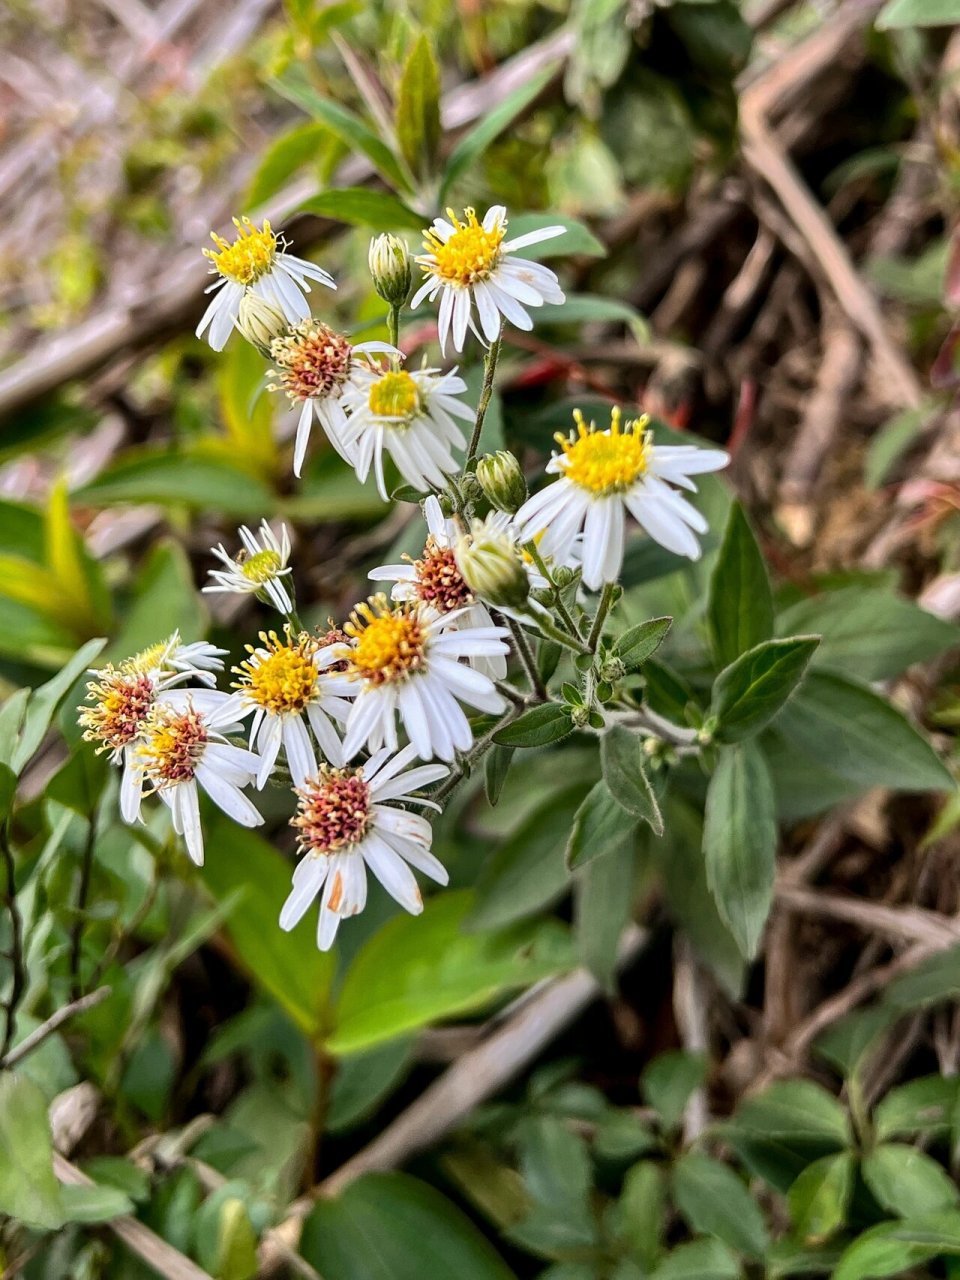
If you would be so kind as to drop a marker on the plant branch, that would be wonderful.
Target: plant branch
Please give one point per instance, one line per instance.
(15, 955)
(486, 392)
(600, 617)
(566, 616)
(52, 1024)
(527, 660)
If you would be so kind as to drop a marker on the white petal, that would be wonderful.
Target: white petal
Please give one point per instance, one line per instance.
(392, 872)
(306, 885)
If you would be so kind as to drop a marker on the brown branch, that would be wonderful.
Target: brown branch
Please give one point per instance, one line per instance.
(52, 1024)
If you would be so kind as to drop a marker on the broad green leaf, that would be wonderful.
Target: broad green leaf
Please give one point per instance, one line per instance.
(793, 1111)
(740, 605)
(868, 632)
(740, 842)
(164, 600)
(557, 1177)
(528, 871)
(364, 1080)
(698, 1260)
(347, 126)
(577, 240)
(474, 143)
(496, 766)
(586, 308)
(287, 965)
(291, 151)
(669, 1081)
(603, 902)
(389, 1226)
(907, 1182)
(537, 727)
(94, 1204)
(600, 827)
(918, 13)
(45, 701)
(858, 735)
(82, 596)
(236, 1242)
(641, 642)
(247, 409)
(397, 985)
(934, 980)
(923, 1106)
(754, 687)
(715, 1202)
(29, 1191)
(640, 1218)
(364, 207)
(418, 108)
(892, 1247)
(820, 1197)
(621, 756)
(177, 478)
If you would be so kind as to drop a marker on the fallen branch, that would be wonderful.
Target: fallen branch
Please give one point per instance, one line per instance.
(52, 1024)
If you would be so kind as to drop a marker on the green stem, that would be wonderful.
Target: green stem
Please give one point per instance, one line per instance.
(550, 629)
(562, 609)
(476, 752)
(486, 391)
(393, 325)
(527, 660)
(600, 617)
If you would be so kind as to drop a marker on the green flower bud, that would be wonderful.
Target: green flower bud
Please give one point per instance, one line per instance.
(501, 479)
(490, 565)
(612, 670)
(391, 268)
(260, 321)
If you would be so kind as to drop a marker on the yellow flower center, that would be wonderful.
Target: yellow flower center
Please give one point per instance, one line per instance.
(250, 256)
(173, 744)
(262, 566)
(281, 677)
(395, 395)
(470, 254)
(390, 643)
(149, 659)
(605, 462)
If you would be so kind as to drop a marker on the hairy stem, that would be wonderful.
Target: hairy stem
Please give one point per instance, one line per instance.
(600, 617)
(527, 660)
(489, 372)
(565, 615)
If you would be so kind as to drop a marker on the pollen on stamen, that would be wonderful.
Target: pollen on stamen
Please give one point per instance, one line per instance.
(439, 581)
(260, 567)
(333, 811)
(251, 255)
(121, 704)
(173, 744)
(312, 361)
(604, 462)
(470, 254)
(395, 395)
(389, 643)
(282, 676)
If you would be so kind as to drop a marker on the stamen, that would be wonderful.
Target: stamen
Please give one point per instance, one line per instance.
(390, 643)
(605, 462)
(122, 702)
(284, 679)
(313, 361)
(261, 567)
(439, 581)
(395, 395)
(333, 812)
(251, 255)
(173, 745)
(470, 254)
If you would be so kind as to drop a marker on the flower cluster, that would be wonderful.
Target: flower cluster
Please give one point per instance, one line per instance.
(343, 715)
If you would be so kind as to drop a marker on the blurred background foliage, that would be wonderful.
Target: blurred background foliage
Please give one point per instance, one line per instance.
(713, 1115)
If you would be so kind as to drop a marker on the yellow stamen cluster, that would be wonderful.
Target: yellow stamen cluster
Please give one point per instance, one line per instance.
(173, 745)
(121, 703)
(395, 395)
(250, 256)
(605, 462)
(333, 812)
(281, 677)
(263, 566)
(153, 658)
(469, 255)
(390, 643)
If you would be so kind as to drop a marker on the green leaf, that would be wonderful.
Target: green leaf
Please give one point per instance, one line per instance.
(45, 702)
(740, 604)
(576, 241)
(922, 1106)
(892, 1247)
(528, 871)
(537, 727)
(698, 1260)
(587, 308)
(363, 207)
(869, 633)
(897, 435)
(603, 894)
(740, 842)
(177, 478)
(94, 1204)
(347, 126)
(474, 143)
(752, 689)
(641, 642)
(820, 1197)
(640, 1217)
(621, 756)
(858, 735)
(418, 108)
(291, 151)
(287, 965)
(918, 13)
(600, 828)
(715, 1202)
(165, 600)
(669, 1081)
(395, 984)
(364, 1080)
(496, 766)
(793, 1111)
(29, 1191)
(934, 980)
(907, 1182)
(389, 1226)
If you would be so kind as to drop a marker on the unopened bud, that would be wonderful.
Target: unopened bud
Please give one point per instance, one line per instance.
(563, 575)
(391, 268)
(260, 321)
(501, 480)
(580, 717)
(490, 565)
(612, 670)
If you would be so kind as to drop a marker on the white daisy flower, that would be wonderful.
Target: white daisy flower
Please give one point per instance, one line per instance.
(345, 826)
(256, 260)
(603, 475)
(314, 365)
(288, 684)
(471, 262)
(122, 698)
(184, 748)
(259, 569)
(410, 416)
(406, 660)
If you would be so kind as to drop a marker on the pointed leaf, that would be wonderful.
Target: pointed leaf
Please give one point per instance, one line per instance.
(740, 606)
(749, 693)
(621, 756)
(418, 108)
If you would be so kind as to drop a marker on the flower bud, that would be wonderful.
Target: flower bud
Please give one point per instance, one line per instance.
(491, 566)
(501, 480)
(260, 321)
(391, 268)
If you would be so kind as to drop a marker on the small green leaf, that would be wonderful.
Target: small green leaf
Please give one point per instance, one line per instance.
(29, 1190)
(94, 1204)
(740, 605)
(716, 1203)
(820, 1197)
(364, 1080)
(45, 701)
(793, 1111)
(740, 842)
(922, 1106)
(640, 1217)
(752, 689)
(907, 1182)
(638, 644)
(364, 207)
(603, 893)
(621, 756)
(496, 766)
(669, 1081)
(600, 827)
(418, 108)
(699, 1260)
(537, 727)
(918, 13)
(892, 1247)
